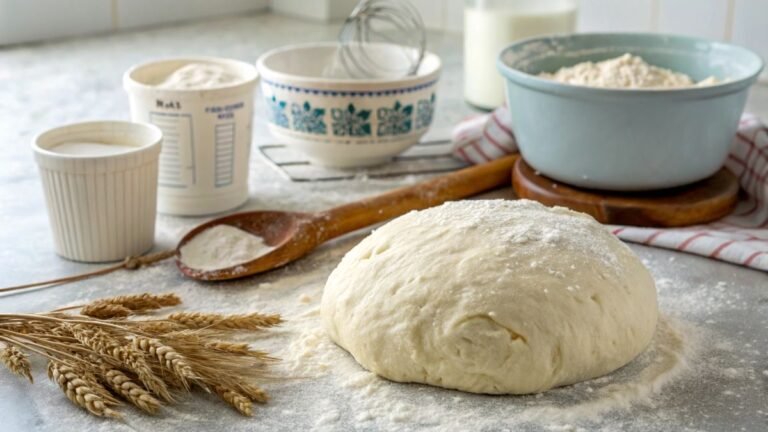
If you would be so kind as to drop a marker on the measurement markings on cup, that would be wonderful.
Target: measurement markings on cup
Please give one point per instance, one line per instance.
(225, 154)
(177, 159)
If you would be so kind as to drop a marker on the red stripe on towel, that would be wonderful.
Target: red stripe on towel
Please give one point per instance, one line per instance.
(495, 143)
(685, 244)
(652, 237)
(752, 257)
(720, 248)
(501, 125)
(753, 143)
(749, 153)
(465, 156)
(480, 151)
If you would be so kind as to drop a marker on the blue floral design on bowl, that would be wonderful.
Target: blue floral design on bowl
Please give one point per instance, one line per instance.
(396, 120)
(351, 121)
(308, 119)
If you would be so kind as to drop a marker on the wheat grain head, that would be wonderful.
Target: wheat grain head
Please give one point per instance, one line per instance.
(16, 361)
(79, 390)
(201, 320)
(124, 386)
(240, 402)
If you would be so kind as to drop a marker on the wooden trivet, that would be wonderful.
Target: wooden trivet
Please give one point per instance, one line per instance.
(704, 201)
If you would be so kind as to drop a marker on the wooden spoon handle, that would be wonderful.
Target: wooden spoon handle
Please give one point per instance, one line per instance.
(460, 184)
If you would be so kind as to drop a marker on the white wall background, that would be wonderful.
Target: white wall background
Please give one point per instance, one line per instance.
(34, 20)
(744, 22)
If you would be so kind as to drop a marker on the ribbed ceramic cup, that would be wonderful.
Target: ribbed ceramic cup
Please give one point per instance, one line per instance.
(101, 207)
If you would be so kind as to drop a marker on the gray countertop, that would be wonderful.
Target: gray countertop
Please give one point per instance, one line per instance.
(725, 307)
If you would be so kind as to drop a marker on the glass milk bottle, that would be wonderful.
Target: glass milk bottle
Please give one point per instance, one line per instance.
(491, 25)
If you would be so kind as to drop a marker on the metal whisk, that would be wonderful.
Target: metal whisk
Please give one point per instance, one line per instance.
(373, 24)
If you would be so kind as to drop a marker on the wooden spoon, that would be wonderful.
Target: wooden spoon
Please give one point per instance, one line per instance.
(294, 234)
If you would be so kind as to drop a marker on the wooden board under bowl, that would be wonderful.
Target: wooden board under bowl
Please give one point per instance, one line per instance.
(704, 201)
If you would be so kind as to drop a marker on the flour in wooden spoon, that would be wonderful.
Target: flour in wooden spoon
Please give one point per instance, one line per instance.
(221, 247)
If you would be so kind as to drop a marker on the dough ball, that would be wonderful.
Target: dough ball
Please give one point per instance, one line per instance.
(491, 297)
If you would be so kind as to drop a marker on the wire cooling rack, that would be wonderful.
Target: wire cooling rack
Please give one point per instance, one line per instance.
(426, 157)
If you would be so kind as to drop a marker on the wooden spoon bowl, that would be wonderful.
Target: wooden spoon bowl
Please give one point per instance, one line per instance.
(277, 228)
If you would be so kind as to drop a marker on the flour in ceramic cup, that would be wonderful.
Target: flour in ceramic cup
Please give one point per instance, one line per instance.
(91, 149)
(197, 76)
(627, 72)
(222, 246)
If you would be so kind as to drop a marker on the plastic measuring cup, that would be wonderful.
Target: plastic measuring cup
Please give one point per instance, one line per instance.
(206, 134)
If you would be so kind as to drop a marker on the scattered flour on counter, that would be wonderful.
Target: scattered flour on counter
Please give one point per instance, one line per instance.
(329, 417)
(311, 353)
(221, 247)
(387, 404)
(705, 300)
(665, 361)
(627, 72)
(197, 76)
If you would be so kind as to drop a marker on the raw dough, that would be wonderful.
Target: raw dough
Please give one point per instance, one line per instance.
(491, 297)
(626, 71)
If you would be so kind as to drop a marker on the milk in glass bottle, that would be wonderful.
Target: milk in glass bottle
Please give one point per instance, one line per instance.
(491, 25)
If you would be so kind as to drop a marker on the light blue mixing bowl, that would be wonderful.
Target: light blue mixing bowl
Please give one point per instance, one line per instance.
(621, 139)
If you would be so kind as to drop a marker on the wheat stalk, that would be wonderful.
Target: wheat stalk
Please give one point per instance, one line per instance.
(239, 348)
(254, 393)
(16, 361)
(124, 386)
(138, 365)
(168, 358)
(105, 344)
(89, 375)
(230, 347)
(142, 302)
(105, 310)
(80, 390)
(123, 306)
(158, 327)
(141, 361)
(240, 402)
(200, 320)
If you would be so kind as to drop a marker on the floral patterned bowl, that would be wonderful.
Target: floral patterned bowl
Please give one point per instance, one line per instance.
(345, 122)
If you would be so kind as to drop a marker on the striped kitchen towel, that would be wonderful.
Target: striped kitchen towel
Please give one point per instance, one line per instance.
(740, 238)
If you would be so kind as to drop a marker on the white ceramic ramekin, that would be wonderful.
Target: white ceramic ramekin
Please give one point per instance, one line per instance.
(101, 208)
(206, 134)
